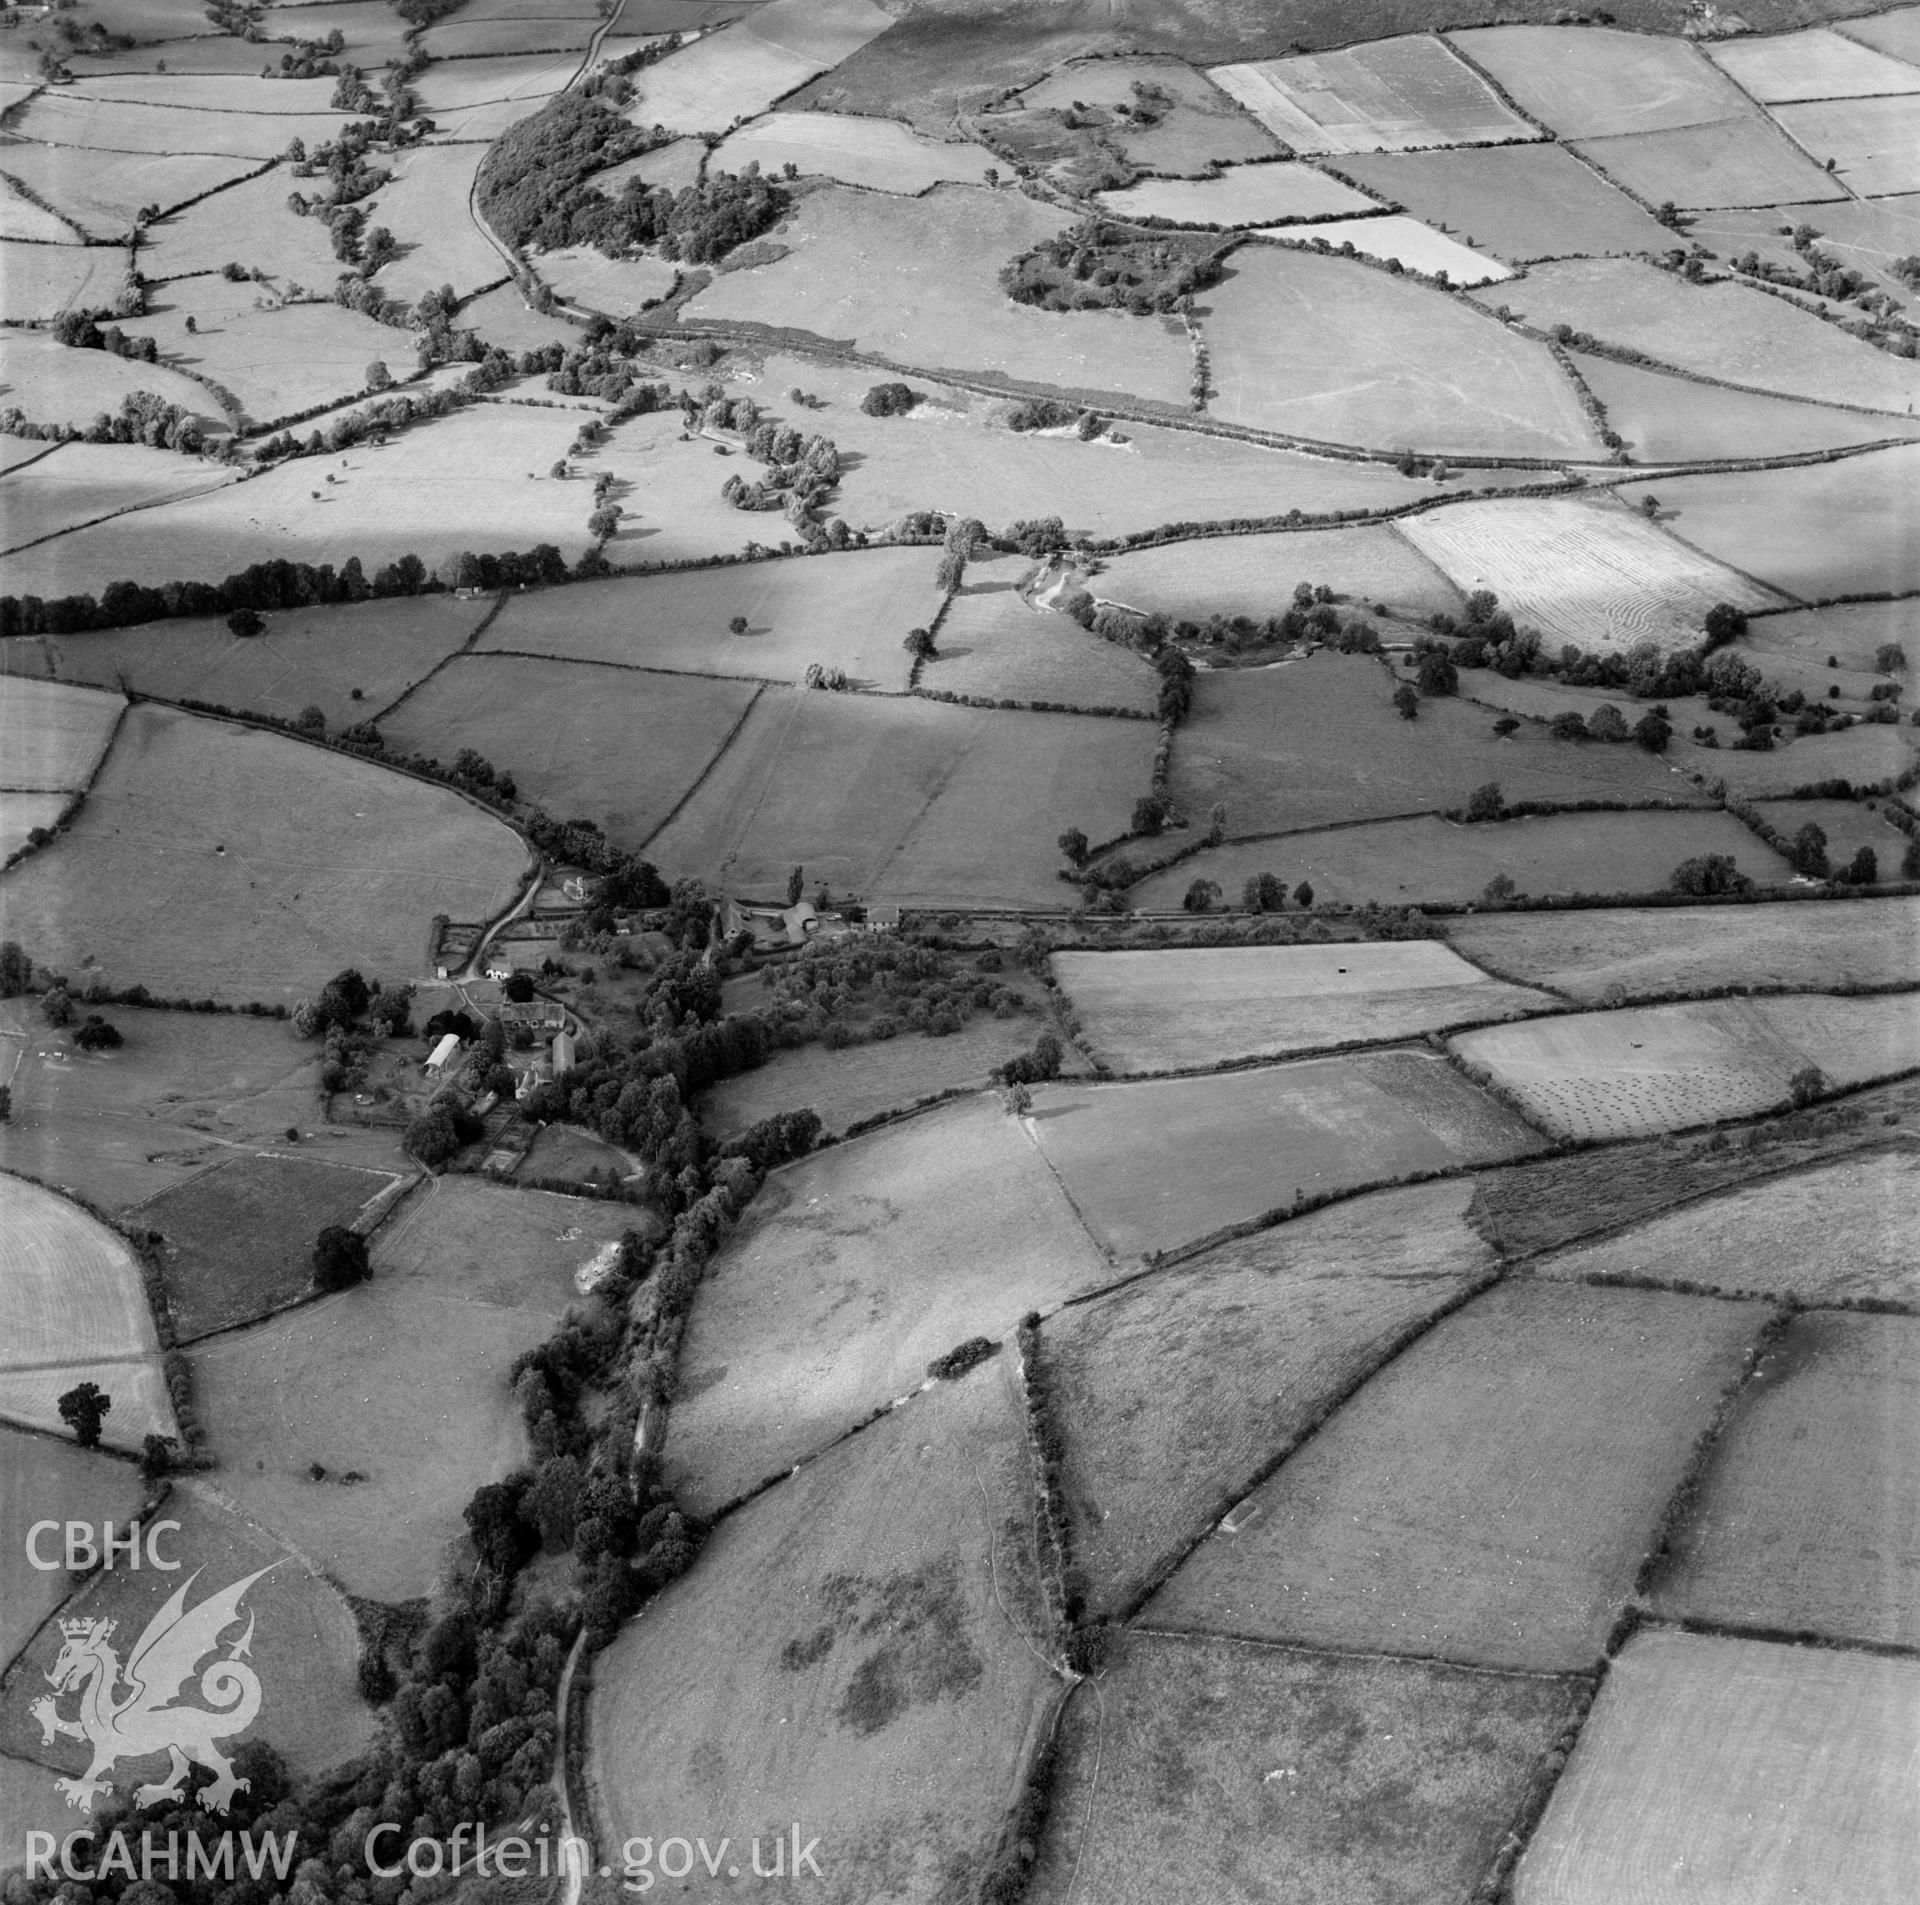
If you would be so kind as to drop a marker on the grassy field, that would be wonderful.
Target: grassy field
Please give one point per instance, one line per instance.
(1181, 1389)
(1869, 142)
(1794, 647)
(459, 483)
(41, 1479)
(1404, 240)
(82, 118)
(399, 1381)
(1849, 825)
(1827, 1233)
(1153, 1165)
(51, 735)
(57, 385)
(617, 745)
(1690, 1731)
(1156, 1011)
(565, 1151)
(75, 1305)
(1662, 418)
(1818, 64)
(194, 868)
(850, 1273)
(502, 317)
(81, 482)
(1738, 162)
(1384, 97)
(1717, 330)
(21, 218)
(849, 611)
(880, 154)
(38, 282)
(1866, 754)
(304, 1644)
(674, 165)
(1320, 741)
(180, 1093)
(1593, 81)
(20, 814)
(1326, 348)
(348, 660)
(424, 205)
(1519, 202)
(1599, 576)
(1489, 1495)
(621, 287)
(502, 1248)
(863, 1639)
(1324, 1778)
(905, 800)
(915, 281)
(1850, 527)
(1242, 195)
(1805, 1522)
(248, 223)
(994, 643)
(1588, 954)
(239, 1237)
(105, 194)
(1661, 1068)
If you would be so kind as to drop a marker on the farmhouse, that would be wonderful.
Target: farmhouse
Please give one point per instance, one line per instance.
(785, 925)
(499, 965)
(442, 1058)
(563, 1052)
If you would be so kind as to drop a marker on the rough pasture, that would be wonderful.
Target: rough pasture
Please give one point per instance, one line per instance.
(1406, 241)
(1660, 1068)
(1149, 1011)
(76, 483)
(51, 735)
(850, 1273)
(1153, 1165)
(1817, 64)
(1869, 142)
(1182, 1388)
(1828, 1233)
(1489, 1495)
(1737, 162)
(1320, 348)
(865, 1637)
(1598, 576)
(1383, 1780)
(877, 153)
(194, 868)
(995, 643)
(1242, 195)
(1689, 1730)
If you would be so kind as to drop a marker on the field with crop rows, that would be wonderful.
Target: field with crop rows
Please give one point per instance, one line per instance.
(1487, 1496)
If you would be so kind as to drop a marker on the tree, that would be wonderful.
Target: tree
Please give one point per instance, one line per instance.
(379, 377)
(6, 1104)
(1890, 659)
(312, 719)
(1202, 896)
(1073, 843)
(1507, 724)
(1406, 702)
(1650, 507)
(796, 885)
(1863, 869)
(1264, 893)
(738, 626)
(84, 1408)
(56, 1005)
(16, 969)
(604, 521)
(1498, 890)
(1303, 897)
(96, 1035)
(1808, 852)
(245, 622)
(344, 997)
(519, 987)
(1568, 725)
(339, 1259)
(500, 1536)
(1724, 623)
(1149, 814)
(1437, 675)
(1910, 860)
(1607, 723)
(1653, 731)
(1486, 802)
(156, 1455)
(919, 643)
(433, 1137)
(1807, 1084)
(1708, 874)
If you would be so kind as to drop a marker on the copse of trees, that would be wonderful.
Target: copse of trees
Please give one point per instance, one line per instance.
(889, 400)
(339, 1259)
(1099, 265)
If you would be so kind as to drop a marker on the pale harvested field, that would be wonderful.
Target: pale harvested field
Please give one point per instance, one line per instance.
(906, 800)
(1388, 96)
(621, 287)
(1419, 247)
(1153, 1165)
(849, 611)
(195, 867)
(618, 745)
(1807, 1520)
(1735, 163)
(82, 482)
(247, 224)
(1673, 419)
(993, 644)
(182, 1092)
(1179, 1390)
(1489, 1495)
(461, 482)
(1158, 1011)
(105, 191)
(51, 735)
(1828, 1234)
(1518, 202)
(1434, 861)
(1596, 575)
(1848, 527)
(77, 119)
(53, 384)
(916, 281)
(1659, 1068)
(1676, 949)
(880, 154)
(343, 1382)
(1728, 1769)
(1319, 347)
(1816, 64)
(1591, 81)
(21, 813)
(864, 1639)
(314, 657)
(850, 1273)
(1875, 142)
(1243, 195)
(75, 1310)
(1328, 1779)
(1718, 330)
(38, 282)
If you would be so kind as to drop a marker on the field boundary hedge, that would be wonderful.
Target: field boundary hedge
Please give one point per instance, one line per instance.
(700, 779)
(75, 801)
